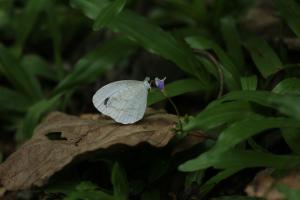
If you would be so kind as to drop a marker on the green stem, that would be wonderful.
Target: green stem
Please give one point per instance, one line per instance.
(174, 106)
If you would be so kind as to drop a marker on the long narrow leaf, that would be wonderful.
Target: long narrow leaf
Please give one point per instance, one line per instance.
(176, 88)
(264, 56)
(290, 11)
(233, 42)
(28, 19)
(292, 138)
(56, 37)
(241, 159)
(11, 100)
(108, 13)
(249, 83)
(34, 114)
(95, 63)
(19, 76)
(218, 115)
(208, 185)
(288, 86)
(241, 130)
(150, 37)
(231, 74)
(120, 183)
(38, 67)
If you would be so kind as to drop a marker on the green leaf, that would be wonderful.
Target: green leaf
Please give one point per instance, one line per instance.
(231, 74)
(240, 159)
(56, 37)
(249, 82)
(19, 77)
(34, 115)
(28, 19)
(233, 135)
(11, 100)
(94, 64)
(292, 138)
(233, 42)
(290, 11)
(91, 8)
(210, 184)
(150, 37)
(288, 86)
(176, 88)
(288, 192)
(218, 115)
(159, 42)
(120, 183)
(264, 57)
(260, 97)
(244, 129)
(37, 66)
(288, 105)
(108, 13)
(87, 191)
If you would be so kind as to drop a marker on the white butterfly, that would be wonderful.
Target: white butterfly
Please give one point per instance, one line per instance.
(124, 101)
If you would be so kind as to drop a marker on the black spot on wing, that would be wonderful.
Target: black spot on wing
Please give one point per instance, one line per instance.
(106, 101)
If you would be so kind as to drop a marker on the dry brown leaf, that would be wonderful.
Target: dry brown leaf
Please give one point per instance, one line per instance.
(262, 185)
(40, 157)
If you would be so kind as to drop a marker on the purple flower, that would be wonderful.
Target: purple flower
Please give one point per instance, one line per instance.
(160, 83)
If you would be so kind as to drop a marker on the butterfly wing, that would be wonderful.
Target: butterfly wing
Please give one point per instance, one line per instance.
(124, 101)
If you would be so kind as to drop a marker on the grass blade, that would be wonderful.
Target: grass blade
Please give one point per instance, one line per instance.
(95, 63)
(208, 185)
(218, 115)
(151, 37)
(11, 100)
(240, 159)
(264, 57)
(233, 42)
(244, 129)
(288, 105)
(38, 67)
(28, 19)
(288, 86)
(290, 11)
(159, 42)
(56, 38)
(231, 74)
(120, 183)
(176, 88)
(292, 138)
(19, 77)
(91, 8)
(108, 13)
(249, 82)
(34, 114)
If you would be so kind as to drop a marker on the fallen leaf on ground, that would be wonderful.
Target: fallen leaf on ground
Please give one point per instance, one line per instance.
(61, 137)
(263, 184)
